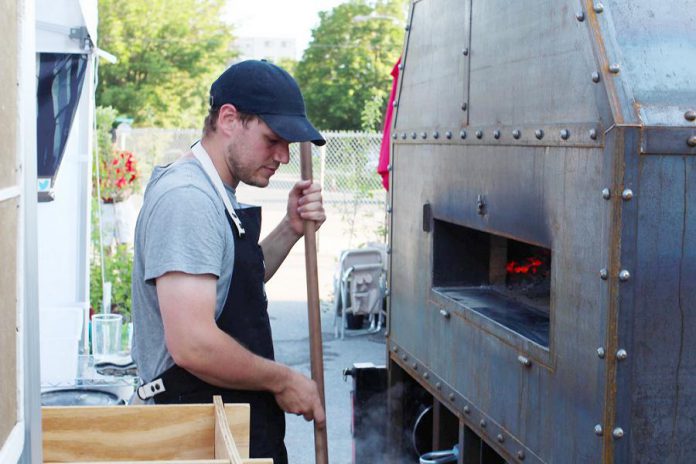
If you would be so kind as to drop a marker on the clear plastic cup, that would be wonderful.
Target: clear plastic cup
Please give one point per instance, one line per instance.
(106, 336)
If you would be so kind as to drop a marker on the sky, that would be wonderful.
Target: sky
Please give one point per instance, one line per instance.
(277, 18)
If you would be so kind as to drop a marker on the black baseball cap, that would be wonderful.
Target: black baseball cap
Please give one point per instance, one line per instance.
(268, 91)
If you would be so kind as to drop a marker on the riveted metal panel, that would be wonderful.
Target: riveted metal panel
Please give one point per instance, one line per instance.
(434, 84)
(551, 197)
(659, 311)
(651, 47)
(531, 63)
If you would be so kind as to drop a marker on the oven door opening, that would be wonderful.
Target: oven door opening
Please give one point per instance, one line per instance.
(505, 280)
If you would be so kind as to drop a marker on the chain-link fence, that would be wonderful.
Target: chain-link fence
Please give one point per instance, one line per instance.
(346, 166)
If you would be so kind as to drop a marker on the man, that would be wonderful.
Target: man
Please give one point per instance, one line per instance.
(199, 306)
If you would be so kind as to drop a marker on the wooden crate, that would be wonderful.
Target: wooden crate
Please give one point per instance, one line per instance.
(174, 434)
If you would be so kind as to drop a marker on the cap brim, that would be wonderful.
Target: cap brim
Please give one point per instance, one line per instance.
(293, 128)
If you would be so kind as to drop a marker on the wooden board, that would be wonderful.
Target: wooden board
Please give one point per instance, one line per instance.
(139, 433)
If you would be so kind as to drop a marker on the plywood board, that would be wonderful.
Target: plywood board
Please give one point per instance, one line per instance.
(8, 97)
(138, 433)
(8, 316)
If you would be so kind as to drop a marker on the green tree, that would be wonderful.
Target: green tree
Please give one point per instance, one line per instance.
(347, 65)
(169, 53)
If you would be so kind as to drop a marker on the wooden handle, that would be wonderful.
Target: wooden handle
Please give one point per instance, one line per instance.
(321, 449)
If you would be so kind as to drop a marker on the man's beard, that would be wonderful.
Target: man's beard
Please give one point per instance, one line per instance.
(239, 172)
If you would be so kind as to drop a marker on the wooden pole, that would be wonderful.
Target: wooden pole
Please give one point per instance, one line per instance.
(321, 449)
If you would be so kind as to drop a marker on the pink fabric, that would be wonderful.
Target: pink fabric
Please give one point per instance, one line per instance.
(382, 167)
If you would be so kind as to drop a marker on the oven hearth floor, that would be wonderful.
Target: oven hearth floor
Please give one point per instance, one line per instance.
(516, 316)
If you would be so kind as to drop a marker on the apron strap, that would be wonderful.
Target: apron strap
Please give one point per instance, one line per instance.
(203, 158)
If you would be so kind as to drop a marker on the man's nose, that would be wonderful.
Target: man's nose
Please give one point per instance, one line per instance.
(282, 154)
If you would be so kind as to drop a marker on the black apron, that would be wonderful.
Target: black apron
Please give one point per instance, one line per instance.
(245, 318)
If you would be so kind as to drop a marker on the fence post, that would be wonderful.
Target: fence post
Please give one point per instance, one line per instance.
(322, 165)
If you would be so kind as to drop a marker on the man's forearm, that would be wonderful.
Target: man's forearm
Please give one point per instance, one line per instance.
(220, 360)
(276, 247)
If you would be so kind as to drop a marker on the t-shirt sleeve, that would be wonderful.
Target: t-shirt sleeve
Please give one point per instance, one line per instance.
(184, 233)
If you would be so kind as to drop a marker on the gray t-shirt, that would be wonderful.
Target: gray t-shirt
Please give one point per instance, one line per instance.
(181, 227)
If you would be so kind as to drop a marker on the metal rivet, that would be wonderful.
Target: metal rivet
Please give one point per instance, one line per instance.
(691, 141)
(580, 16)
(598, 7)
(465, 52)
(517, 133)
(404, 357)
(395, 103)
(408, 27)
(521, 455)
(593, 134)
(624, 275)
(500, 438)
(438, 385)
(496, 134)
(467, 409)
(690, 115)
(621, 354)
(603, 274)
(606, 193)
(401, 66)
(414, 366)
(389, 209)
(524, 361)
(601, 353)
(413, 135)
(595, 77)
(479, 134)
(390, 167)
(403, 136)
(395, 136)
(464, 106)
(444, 313)
(389, 250)
(462, 134)
(436, 135)
(598, 430)
(617, 432)
(539, 133)
(451, 397)
(627, 194)
(426, 375)
(614, 68)
(424, 135)
(565, 134)
(395, 349)
(482, 423)
(448, 134)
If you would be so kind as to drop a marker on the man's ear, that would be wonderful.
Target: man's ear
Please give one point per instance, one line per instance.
(228, 116)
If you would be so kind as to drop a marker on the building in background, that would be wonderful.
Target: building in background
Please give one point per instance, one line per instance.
(270, 48)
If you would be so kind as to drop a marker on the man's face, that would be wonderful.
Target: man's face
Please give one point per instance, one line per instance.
(255, 153)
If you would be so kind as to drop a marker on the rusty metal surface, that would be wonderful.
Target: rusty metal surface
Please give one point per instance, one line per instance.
(435, 61)
(548, 197)
(654, 46)
(619, 368)
(657, 397)
(531, 62)
(668, 141)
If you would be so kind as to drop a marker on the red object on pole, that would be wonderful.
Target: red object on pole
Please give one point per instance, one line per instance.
(383, 166)
(321, 449)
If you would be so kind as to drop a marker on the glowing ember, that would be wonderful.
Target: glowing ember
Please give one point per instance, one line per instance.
(531, 266)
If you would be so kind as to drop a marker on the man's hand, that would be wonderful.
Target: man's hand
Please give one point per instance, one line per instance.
(305, 203)
(299, 395)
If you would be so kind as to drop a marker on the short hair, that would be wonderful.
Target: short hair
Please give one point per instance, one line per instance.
(210, 123)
